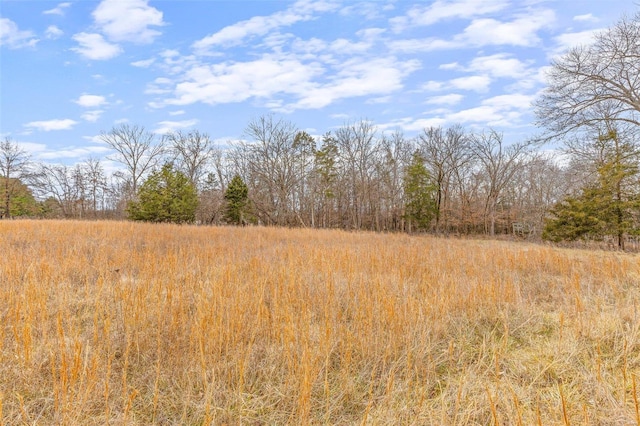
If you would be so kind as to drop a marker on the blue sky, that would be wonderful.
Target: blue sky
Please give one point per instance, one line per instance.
(70, 70)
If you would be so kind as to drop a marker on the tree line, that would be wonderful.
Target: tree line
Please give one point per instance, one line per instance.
(445, 180)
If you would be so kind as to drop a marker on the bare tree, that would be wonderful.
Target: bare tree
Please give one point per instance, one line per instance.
(14, 166)
(136, 150)
(57, 182)
(395, 156)
(444, 152)
(269, 164)
(192, 151)
(357, 150)
(498, 164)
(595, 82)
(96, 182)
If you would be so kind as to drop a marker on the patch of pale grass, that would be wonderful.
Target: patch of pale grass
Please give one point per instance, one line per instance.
(123, 323)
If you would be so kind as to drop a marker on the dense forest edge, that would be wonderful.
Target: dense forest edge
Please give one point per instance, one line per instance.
(445, 181)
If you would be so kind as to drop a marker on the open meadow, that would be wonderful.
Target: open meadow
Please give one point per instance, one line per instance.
(136, 324)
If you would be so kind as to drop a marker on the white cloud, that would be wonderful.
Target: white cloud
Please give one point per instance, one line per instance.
(285, 83)
(339, 116)
(367, 9)
(13, 37)
(64, 124)
(171, 126)
(92, 116)
(128, 20)
(450, 66)
(443, 9)
(58, 10)
(90, 101)
(160, 86)
(451, 99)
(521, 31)
(476, 83)
(497, 111)
(499, 65)
(412, 124)
(514, 101)
(377, 76)
(232, 35)
(94, 46)
(53, 32)
(144, 63)
(586, 18)
(432, 86)
(566, 41)
(33, 148)
(75, 153)
(379, 100)
(238, 81)
(179, 112)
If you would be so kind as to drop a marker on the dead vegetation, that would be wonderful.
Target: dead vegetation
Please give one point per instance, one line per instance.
(122, 323)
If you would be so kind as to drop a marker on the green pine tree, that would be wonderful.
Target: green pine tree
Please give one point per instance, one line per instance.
(608, 207)
(420, 206)
(237, 198)
(21, 202)
(166, 196)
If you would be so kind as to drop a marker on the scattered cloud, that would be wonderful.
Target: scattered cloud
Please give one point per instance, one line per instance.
(128, 20)
(506, 111)
(439, 10)
(92, 116)
(144, 63)
(14, 38)
(233, 35)
(229, 82)
(586, 18)
(94, 46)
(366, 9)
(500, 65)
(48, 125)
(566, 41)
(58, 10)
(53, 32)
(476, 83)
(452, 99)
(412, 124)
(91, 101)
(179, 112)
(377, 76)
(74, 152)
(521, 31)
(172, 126)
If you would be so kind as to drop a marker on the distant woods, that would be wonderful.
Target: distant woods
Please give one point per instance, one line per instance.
(445, 180)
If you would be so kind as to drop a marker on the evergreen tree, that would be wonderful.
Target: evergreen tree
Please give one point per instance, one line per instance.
(607, 207)
(166, 196)
(420, 206)
(574, 218)
(237, 198)
(22, 202)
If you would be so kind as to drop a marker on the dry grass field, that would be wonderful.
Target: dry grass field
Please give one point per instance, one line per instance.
(137, 324)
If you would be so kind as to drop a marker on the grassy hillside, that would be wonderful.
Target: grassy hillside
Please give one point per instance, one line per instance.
(123, 323)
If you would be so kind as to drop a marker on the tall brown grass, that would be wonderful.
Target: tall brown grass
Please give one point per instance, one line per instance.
(136, 324)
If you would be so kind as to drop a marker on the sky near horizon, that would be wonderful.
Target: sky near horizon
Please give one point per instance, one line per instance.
(71, 70)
